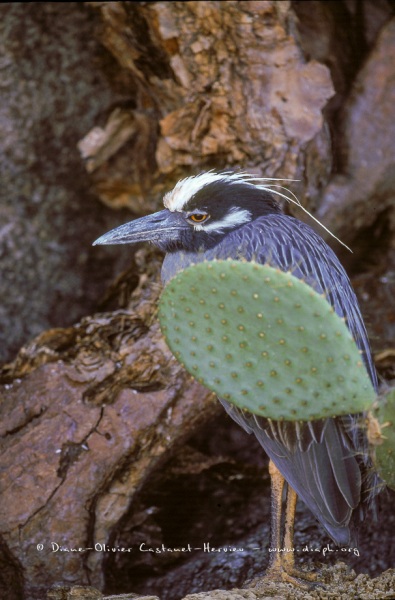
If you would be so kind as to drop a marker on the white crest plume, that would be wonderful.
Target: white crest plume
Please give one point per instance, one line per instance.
(185, 189)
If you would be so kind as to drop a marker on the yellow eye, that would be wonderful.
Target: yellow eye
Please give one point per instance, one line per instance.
(198, 217)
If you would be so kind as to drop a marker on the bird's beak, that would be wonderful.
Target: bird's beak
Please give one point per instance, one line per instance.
(163, 226)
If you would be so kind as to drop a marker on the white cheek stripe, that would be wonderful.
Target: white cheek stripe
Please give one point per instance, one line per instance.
(236, 216)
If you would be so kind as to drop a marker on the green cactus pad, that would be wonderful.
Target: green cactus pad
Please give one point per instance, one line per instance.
(263, 340)
(384, 445)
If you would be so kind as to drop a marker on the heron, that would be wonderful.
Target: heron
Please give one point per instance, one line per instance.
(326, 463)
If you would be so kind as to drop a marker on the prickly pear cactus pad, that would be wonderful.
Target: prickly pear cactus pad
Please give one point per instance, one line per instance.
(384, 443)
(264, 341)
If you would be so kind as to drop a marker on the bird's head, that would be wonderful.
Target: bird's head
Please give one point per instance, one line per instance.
(198, 212)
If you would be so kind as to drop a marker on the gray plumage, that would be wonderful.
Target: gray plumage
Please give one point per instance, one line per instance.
(326, 462)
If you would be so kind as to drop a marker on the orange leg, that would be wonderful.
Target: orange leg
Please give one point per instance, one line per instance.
(282, 564)
(289, 557)
(277, 486)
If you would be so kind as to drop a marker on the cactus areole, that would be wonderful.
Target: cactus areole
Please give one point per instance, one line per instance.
(264, 341)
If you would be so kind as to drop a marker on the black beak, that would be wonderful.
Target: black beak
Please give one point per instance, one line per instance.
(159, 228)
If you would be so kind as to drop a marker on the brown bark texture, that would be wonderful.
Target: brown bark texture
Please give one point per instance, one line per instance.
(106, 442)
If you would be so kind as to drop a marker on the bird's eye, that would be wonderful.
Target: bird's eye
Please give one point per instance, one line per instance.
(198, 217)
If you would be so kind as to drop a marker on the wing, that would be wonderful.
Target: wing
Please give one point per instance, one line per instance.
(320, 462)
(326, 461)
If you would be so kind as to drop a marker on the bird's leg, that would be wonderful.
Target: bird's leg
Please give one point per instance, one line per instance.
(289, 528)
(277, 486)
(282, 561)
(288, 559)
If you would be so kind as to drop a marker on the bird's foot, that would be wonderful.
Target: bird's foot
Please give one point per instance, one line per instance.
(304, 580)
